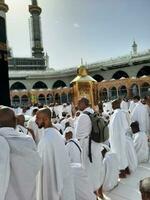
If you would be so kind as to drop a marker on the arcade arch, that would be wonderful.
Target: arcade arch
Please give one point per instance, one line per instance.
(120, 74)
(39, 85)
(144, 71)
(17, 86)
(58, 84)
(98, 77)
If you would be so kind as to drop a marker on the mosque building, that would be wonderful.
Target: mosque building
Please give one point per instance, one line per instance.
(31, 80)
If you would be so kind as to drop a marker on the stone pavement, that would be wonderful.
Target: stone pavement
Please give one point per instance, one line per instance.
(128, 188)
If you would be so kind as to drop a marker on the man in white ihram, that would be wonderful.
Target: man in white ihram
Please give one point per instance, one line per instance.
(140, 114)
(140, 141)
(54, 180)
(118, 126)
(82, 132)
(19, 160)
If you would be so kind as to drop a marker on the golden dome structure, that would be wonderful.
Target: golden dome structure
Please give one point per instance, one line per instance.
(83, 85)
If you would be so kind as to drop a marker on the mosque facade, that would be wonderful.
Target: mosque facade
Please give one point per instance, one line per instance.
(31, 80)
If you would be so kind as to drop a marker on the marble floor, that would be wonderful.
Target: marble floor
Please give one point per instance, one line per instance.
(128, 188)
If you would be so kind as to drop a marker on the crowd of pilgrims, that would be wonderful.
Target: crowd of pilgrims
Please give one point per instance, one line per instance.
(44, 149)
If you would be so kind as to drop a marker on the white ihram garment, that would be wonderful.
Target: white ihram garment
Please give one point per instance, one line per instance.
(140, 114)
(24, 165)
(118, 127)
(75, 154)
(4, 167)
(83, 188)
(124, 105)
(54, 179)
(131, 154)
(82, 132)
(141, 146)
(33, 126)
(111, 171)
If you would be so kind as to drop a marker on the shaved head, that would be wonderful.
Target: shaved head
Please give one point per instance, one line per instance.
(7, 117)
(116, 104)
(145, 188)
(20, 119)
(45, 111)
(43, 118)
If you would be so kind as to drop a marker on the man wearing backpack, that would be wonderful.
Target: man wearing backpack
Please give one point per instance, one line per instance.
(83, 129)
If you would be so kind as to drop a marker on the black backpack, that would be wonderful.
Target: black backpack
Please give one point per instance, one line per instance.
(99, 132)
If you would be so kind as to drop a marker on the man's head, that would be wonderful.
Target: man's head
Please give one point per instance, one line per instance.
(64, 114)
(68, 133)
(7, 117)
(20, 119)
(34, 111)
(135, 127)
(43, 118)
(136, 99)
(116, 104)
(83, 103)
(145, 188)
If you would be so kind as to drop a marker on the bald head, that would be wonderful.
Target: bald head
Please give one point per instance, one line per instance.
(7, 117)
(116, 104)
(135, 127)
(43, 118)
(45, 111)
(145, 188)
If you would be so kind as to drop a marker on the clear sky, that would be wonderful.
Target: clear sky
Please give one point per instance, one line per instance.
(71, 29)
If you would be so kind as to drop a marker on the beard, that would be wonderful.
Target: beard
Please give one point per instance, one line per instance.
(42, 125)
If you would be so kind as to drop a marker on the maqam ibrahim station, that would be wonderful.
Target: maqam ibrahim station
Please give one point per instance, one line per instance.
(32, 81)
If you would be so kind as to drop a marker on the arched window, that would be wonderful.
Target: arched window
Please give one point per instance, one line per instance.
(64, 98)
(41, 99)
(122, 91)
(24, 100)
(144, 89)
(134, 90)
(16, 101)
(98, 77)
(58, 84)
(104, 94)
(57, 98)
(144, 71)
(69, 98)
(39, 85)
(120, 74)
(112, 93)
(17, 86)
(49, 99)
